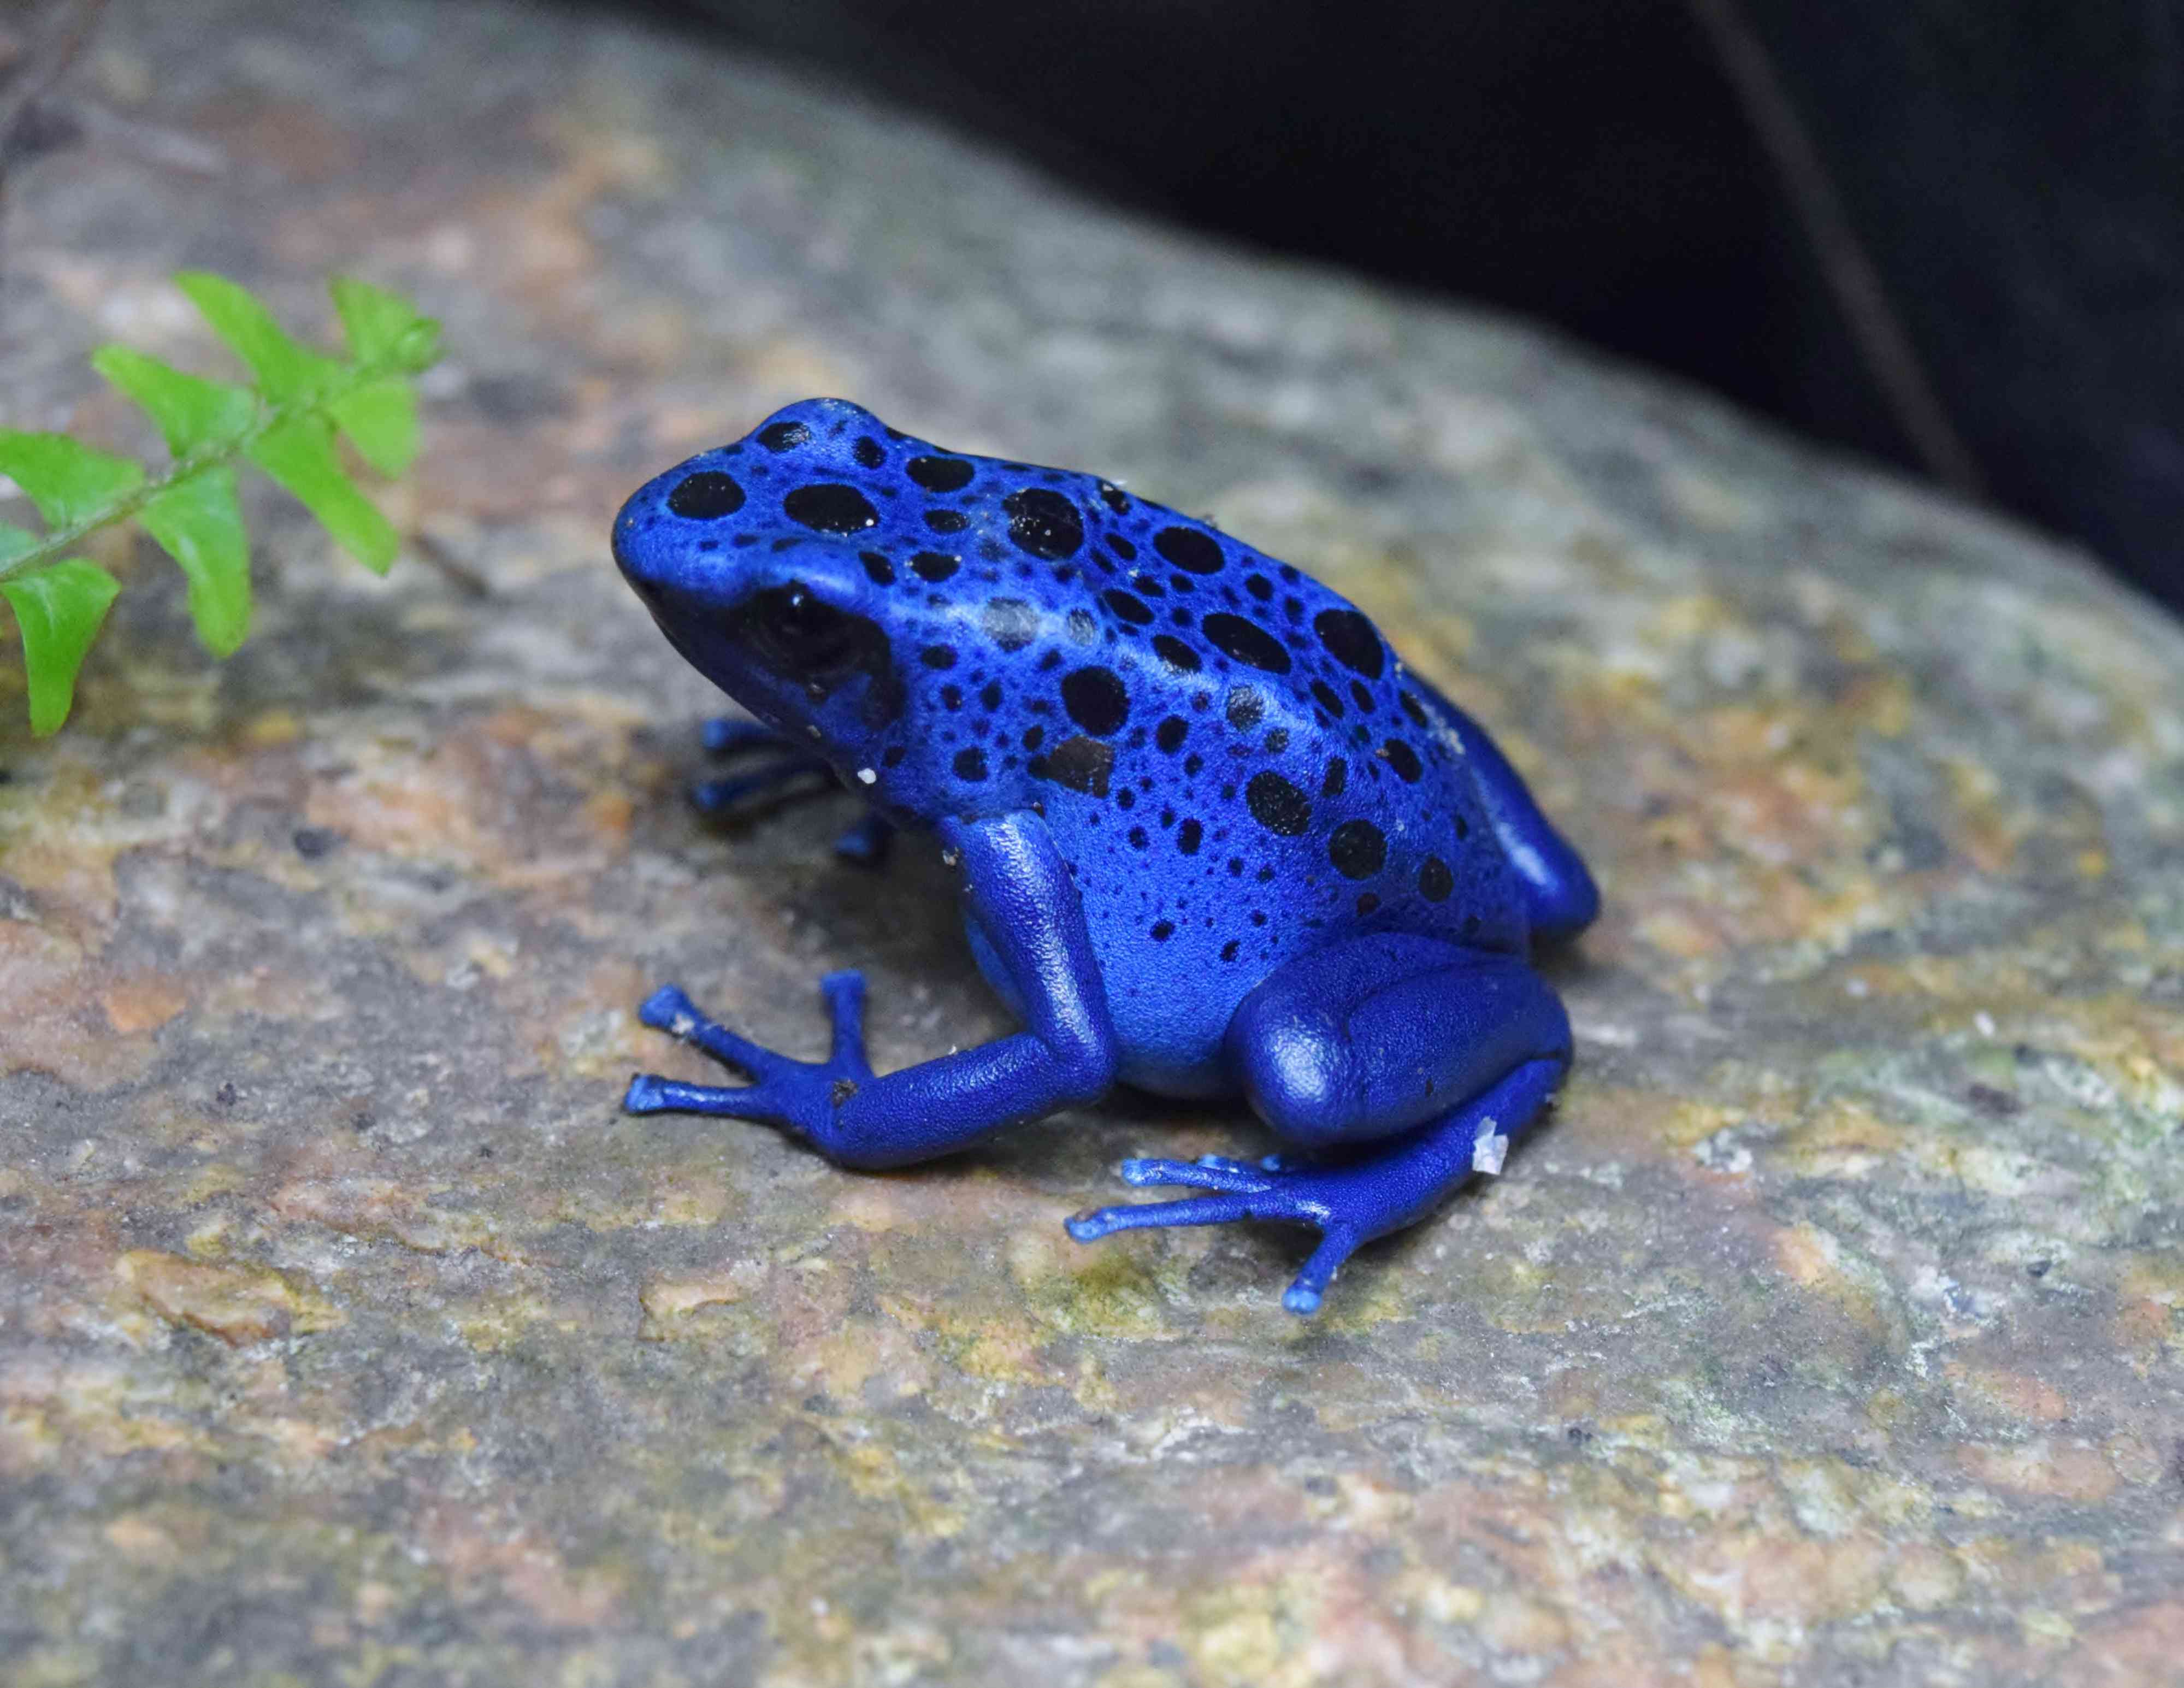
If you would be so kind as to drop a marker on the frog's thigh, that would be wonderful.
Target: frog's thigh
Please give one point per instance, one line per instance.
(1373, 1034)
(1559, 893)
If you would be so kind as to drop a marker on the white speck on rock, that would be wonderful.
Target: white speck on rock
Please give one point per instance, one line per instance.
(867, 775)
(1489, 1150)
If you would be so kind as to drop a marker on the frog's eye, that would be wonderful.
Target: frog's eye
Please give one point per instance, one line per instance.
(801, 637)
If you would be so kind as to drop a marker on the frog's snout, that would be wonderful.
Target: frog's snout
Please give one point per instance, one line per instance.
(636, 552)
(672, 527)
(622, 541)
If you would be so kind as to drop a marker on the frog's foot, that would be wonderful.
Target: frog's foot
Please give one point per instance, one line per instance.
(865, 841)
(1331, 1199)
(729, 736)
(1389, 1183)
(798, 1096)
(716, 795)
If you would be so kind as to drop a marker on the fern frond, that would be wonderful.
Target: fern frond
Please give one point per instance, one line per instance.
(285, 424)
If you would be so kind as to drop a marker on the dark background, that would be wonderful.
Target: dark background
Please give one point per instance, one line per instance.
(1948, 234)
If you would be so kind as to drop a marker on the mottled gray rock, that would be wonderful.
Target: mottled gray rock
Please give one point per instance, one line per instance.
(349, 1334)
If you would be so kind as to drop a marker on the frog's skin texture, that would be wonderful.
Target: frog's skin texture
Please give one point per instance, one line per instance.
(1212, 838)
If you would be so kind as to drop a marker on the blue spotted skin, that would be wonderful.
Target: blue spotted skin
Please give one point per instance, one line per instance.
(1214, 837)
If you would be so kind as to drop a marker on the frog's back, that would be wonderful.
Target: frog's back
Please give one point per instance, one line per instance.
(1236, 766)
(1273, 781)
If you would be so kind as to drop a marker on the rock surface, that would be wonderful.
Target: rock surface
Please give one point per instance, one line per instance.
(1830, 1332)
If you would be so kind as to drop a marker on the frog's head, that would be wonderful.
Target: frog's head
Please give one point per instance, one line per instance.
(752, 568)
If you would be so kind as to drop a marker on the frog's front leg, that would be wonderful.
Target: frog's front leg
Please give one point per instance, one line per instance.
(1019, 892)
(1411, 1063)
(865, 841)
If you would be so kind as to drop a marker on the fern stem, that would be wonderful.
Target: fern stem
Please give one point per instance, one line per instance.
(59, 542)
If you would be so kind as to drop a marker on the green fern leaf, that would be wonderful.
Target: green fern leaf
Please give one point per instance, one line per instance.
(199, 524)
(195, 414)
(66, 481)
(57, 611)
(299, 454)
(380, 421)
(284, 369)
(285, 424)
(383, 327)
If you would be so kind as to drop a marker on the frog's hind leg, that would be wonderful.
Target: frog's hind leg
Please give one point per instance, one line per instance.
(1410, 1063)
(1560, 897)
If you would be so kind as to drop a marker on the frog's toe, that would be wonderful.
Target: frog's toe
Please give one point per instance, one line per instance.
(711, 796)
(1208, 1172)
(1265, 1189)
(668, 1009)
(844, 993)
(714, 796)
(1303, 1297)
(726, 734)
(651, 1093)
(866, 843)
(1198, 1210)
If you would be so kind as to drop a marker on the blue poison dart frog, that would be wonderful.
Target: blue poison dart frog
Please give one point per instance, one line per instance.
(1212, 837)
